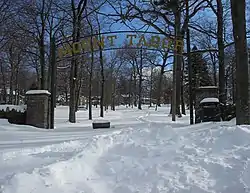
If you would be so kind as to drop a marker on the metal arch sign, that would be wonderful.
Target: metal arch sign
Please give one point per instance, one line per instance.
(108, 41)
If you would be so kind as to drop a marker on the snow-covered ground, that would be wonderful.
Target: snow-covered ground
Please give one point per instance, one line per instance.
(142, 152)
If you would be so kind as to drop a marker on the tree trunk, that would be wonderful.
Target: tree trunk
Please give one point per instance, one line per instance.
(16, 87)
(90, 98)
(220, 43)
(108, 92)
(151, 87)
(42, 60)
(102, 85)
(183, 111)
(178, 61)
(10, 100)
(90, 83)
(66, 97)
(130, 88)
(4, 98)
(238, 8)
(38, 75)
(74, 65)
(135, 90)
(214, 68)
(160, 87)
(113, 94)
(49, 75)
(76, 33)
(233, 82)
(140, 84)
(140, 93)
(73, 78)
(173, 98)
(17, 96)
(78, 93)
(72, 99)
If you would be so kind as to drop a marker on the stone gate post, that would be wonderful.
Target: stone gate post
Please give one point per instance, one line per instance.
(205, 92)
(38, 108)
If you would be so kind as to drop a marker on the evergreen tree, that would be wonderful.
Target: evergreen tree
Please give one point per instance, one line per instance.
(200, 73)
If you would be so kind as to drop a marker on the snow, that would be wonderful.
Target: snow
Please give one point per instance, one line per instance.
(210, 100)
(202, 87)
(30, 92)
(143, 152)
(18, 108)
(101, 121)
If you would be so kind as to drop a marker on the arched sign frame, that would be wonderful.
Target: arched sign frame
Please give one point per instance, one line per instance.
(67, 49)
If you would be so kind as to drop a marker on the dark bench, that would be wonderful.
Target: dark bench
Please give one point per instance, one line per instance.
(100, 124)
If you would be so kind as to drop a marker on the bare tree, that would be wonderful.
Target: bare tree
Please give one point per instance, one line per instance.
(77, 17)
(160, 18)
(165, 56)
(219, 13)
(90, 70)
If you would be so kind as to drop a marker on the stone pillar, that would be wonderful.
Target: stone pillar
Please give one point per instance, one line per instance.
(200, 94)
(205, 92)
(38, 108)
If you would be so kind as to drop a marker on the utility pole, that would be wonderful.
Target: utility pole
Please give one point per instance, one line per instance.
(53, 80)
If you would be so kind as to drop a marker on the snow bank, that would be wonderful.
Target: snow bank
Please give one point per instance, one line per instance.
(210, 100)
(151, 160)
(30, 92)
(202, 87)
(100, 120)
(18, 108)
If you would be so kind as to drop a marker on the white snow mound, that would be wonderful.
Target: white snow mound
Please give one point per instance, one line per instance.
(212, 159)
(210, 100)
(30, 92)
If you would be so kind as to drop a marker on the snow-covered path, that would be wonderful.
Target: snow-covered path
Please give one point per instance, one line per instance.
(143, 152)
(23, 148)
(24, 136)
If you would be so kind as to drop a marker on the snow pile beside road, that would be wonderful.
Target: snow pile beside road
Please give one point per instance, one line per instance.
(153, 160)
(18, 108)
